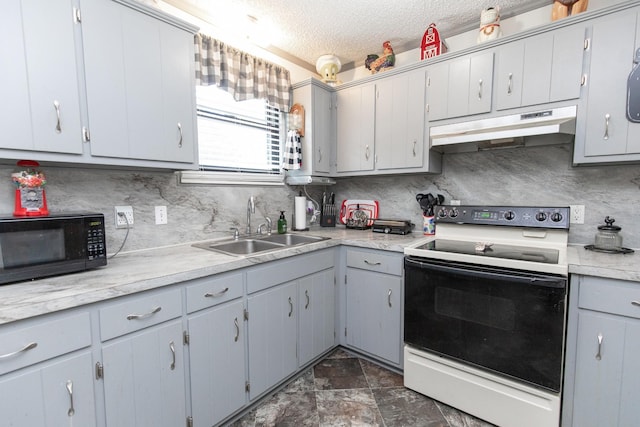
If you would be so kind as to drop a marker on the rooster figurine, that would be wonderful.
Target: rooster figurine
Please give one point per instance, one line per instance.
(376, 63)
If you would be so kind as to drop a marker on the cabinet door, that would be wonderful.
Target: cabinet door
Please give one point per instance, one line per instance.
(508, 76)
(374, 313)
(536, 73)
(480, 83)
(612, 52)
(40, 108)
(217, 363)
(43, 396)
(599, 370)
(317, 310)
(566, 65)
(437, 91)
(322, 125)
(136, 88)
(144, 382)
(272, 336)
(355, 128)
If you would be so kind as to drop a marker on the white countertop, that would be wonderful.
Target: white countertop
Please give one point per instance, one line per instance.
(137, 271)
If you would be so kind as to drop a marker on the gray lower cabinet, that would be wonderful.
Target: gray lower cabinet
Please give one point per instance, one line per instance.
(605, 133)
(605, 362)
(316, 315)
(374, 303)
(143, 369)
(46, 372)
(217, 347)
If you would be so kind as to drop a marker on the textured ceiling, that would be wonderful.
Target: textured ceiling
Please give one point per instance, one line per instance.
(350, 29)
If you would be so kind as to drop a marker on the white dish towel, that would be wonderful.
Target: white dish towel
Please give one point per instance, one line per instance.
(292, 158)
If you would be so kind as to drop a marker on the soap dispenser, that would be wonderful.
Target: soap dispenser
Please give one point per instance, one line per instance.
(282, 223)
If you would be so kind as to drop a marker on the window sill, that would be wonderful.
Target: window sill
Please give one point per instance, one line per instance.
(229, 178)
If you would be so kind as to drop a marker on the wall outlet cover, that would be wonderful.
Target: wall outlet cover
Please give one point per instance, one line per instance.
(125, 221)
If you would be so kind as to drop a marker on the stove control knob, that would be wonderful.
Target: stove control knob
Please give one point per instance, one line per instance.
(541, 216)
(387, 230)
(453, 213)
(509, 215)
(442, 213)
(556, 217)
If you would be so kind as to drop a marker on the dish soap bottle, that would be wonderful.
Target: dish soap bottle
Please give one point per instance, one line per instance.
(282, 223)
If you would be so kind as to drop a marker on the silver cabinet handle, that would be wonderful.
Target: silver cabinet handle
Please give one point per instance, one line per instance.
(235, 322)
(415, 143)
(71, 411)
(366, 261)
(480, 89)
(366, 152)
(606, 126)
(172, 347)
(180, 129)
(290, 307)
(509, 86)
(319, 155)
(599, 354)
(56, 105)
(389, 297)
(22, 350)
(144, 316)
(216, 294)
(306, 294)
(636, 303)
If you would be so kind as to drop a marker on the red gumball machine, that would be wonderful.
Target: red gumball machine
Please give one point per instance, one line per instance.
(30, 196)
(432, 45)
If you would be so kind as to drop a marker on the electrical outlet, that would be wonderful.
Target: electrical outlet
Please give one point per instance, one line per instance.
(161, 214)
(121, 222)
(577, 214)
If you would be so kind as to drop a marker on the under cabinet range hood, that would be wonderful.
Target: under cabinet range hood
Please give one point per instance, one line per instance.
(532, 128)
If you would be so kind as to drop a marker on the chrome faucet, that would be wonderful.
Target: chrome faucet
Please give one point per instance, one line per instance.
(251, 208)
(266, 218)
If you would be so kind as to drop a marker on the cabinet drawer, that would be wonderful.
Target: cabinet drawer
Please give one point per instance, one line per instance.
(610, 296)
(213, 290)
(49, 338)
(375, 261)
(136, 313)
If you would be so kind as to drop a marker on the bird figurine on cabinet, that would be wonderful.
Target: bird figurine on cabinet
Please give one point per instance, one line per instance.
(377, 63)
(489, 25)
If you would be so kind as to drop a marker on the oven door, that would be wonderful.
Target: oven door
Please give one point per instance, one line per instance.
(509, 322)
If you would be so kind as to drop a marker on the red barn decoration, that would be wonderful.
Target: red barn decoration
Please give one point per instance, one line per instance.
(432, 45)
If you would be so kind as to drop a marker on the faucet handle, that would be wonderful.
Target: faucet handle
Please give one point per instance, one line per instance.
(266, 218)
(236, 232)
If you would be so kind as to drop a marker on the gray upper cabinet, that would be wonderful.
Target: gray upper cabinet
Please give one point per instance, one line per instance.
(460, 87)
(607, 135)
(40, 109)
(540, 69)
(355, 128)
(399, 124)
(140, 91)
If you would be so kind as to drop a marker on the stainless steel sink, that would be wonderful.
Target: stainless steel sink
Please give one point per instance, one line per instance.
(292, 239)
(252, 245)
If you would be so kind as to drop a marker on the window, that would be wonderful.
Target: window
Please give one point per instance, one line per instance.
(236, 136)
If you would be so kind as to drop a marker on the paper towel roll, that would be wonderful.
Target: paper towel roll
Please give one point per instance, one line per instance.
(300, 212)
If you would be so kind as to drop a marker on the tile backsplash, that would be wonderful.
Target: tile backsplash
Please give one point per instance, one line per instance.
(522, 176)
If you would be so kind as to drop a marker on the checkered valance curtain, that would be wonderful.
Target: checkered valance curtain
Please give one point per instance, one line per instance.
(242, 75)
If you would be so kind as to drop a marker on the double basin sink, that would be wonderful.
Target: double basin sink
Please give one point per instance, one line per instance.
(258, 244)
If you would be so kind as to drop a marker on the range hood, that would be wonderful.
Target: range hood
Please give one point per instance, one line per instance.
(538, 128)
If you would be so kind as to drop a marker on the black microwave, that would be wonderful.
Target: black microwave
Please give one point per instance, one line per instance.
(36, 247)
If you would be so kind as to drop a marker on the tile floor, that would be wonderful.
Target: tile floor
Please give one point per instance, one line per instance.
(345, 390)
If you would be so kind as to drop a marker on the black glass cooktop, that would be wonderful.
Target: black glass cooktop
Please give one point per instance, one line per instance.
(520, 253)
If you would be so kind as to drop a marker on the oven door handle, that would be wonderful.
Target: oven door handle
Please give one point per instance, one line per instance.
(477, 271)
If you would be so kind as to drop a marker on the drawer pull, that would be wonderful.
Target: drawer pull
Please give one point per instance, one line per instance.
(172, 347)
(235, 322)
(510, 84)
(599, 354)
(56, 105)
(636, 303)
(290, 307)
(71, 411)
(144, 316)
(217, 294)
(180, 130)
(22, 350)
(306, 294)
(389, 298)
(606, 126)
(372, 263)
